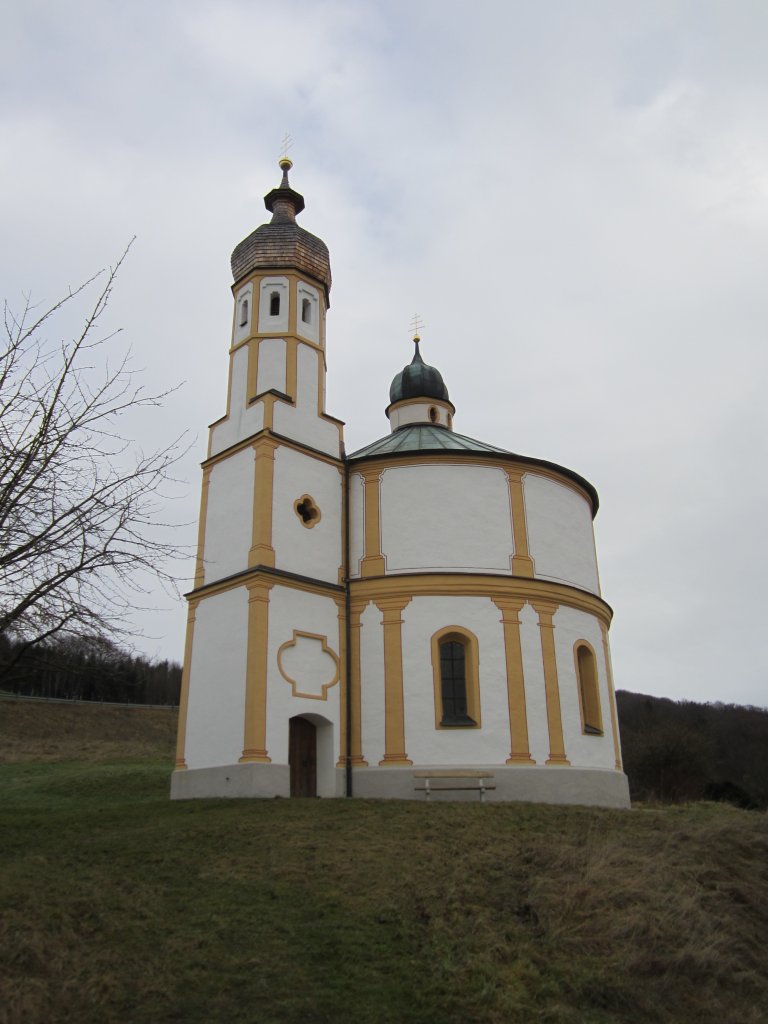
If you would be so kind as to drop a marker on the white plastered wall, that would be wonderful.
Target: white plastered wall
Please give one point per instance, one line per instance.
(241, 330)
(310, 330)
(582, 750)
(424, 743)
(535, 693)
(560, 537)
(453, 517)
(243, 420)
(291, 609)
(418, 412)
(356, 522)
(214, 734)
(315, 551)
(269, 324)
(372, 684)
(229, 519)
(303, 422)
(270, 371)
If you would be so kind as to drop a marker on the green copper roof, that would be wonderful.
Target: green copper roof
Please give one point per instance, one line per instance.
(426, 437)
(418, 380)
(421, 437)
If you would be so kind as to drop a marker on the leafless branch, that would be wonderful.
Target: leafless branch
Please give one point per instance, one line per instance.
(80, 503)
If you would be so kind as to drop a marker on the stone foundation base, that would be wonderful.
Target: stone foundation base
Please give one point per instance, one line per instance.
(235, 780)
(592, 787)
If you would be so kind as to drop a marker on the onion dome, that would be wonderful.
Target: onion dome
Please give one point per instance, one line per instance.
(282, 243)
(418, 380)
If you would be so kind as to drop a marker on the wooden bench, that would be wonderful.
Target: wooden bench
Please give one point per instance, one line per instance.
(446, 780)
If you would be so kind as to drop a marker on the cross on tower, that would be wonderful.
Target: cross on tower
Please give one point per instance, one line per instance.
(416, 324)
(285, 146)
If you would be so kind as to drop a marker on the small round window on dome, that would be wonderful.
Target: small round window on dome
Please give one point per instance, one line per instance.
(433, 416)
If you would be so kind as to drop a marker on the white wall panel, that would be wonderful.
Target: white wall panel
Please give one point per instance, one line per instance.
(425, 743)
(314, 552)
(217, 681)
(243, 420)
(302, 421)
(372, 684)
(229, 522)
(560, 537)
(582, 750)
(446, 517)
(289, 610)
(269, 324)
(271, 368)
(535, 694)
(356, 522)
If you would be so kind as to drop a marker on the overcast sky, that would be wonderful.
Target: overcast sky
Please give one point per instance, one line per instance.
(574, 196)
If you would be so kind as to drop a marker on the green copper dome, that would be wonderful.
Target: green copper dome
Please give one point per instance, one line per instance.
(418, 380)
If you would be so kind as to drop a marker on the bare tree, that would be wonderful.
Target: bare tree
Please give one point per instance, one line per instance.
(80, 504)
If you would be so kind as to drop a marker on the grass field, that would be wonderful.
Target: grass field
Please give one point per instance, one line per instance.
(118, 906)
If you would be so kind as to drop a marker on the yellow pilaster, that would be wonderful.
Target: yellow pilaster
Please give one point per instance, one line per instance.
(252, 379)
(372, 563)
(611, 697)
(518, 717)
(181, 734)
(262, 552)
(522, 563)
(255, 733)
(355, 626)
(551, 687)
(394, 713)
(354, 682)
(292, 368)
(200, 560)
(343, 684)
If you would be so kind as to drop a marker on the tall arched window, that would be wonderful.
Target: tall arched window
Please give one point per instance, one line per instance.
(455, 667)
(274, 304)
(589, 694)
(244, 313)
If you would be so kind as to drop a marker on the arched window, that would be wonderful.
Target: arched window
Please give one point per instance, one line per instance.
(455, 670)
(589, 694)
(244, 313)
(306, 311)
(274, 304)
(450, 422)
(432, 414)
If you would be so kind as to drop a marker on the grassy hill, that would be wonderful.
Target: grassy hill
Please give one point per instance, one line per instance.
(118, 906)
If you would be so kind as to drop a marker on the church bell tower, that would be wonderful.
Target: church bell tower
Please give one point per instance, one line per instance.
(263, 656)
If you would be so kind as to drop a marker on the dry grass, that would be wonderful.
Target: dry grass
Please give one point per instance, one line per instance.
(118, 906)
(40, 731)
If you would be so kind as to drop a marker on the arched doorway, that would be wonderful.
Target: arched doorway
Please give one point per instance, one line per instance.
(302, 756)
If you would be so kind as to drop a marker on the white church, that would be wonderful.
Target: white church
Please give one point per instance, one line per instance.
(420, 619)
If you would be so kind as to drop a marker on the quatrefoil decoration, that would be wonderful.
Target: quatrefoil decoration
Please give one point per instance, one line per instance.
(307, 511)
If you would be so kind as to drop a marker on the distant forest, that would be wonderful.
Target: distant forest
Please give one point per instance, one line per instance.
(679, 750)
(87, 669)
(673, 750)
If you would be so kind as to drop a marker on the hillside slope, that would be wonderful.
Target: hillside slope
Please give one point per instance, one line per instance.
(32, 730)
(118, 906)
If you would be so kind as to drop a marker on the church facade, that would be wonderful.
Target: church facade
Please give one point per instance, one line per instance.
(419, 619)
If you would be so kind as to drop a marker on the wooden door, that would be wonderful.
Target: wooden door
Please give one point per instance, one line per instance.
(302, 757)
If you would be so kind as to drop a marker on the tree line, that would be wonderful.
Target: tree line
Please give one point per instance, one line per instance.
(681, 750)
(83, 668)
